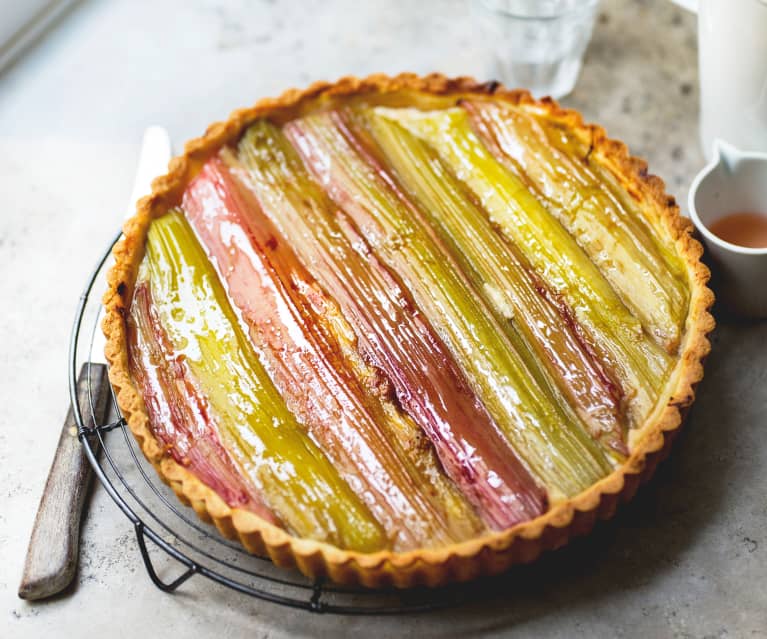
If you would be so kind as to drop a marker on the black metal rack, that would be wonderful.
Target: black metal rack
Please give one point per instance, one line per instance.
(157, 516)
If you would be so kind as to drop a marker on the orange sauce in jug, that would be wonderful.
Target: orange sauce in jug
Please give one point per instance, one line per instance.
(744, 229)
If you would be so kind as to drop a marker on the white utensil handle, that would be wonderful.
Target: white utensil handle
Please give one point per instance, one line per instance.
(690, 5)
(153, 161)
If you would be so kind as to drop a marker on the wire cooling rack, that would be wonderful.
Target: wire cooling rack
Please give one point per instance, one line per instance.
(200, 550)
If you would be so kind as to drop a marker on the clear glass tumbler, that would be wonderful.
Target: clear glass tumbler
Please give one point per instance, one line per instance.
(536, 44)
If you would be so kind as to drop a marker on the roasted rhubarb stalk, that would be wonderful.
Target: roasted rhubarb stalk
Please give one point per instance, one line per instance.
(620, 244)
(237, 399)
(390, 333)
(549, 438)
(627, 195)
(639, 363)
(308, 349)
(520, 299)
(177, 410)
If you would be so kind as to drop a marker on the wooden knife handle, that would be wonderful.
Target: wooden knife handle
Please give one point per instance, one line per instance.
(52, 555)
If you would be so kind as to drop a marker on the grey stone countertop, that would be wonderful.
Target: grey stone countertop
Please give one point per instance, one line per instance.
(687, 558)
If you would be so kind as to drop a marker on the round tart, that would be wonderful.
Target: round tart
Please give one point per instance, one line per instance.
(406, 330)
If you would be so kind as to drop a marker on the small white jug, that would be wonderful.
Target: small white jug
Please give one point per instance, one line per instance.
(733, 181)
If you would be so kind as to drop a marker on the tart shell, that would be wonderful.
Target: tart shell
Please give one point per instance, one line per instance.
(491, 553)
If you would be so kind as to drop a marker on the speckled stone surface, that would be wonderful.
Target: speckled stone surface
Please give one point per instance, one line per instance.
(688, 558)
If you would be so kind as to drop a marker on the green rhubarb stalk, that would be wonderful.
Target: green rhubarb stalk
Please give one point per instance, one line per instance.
(308, 349)
(291, 473)
(642, 366)
(187, 432)
(549, 439)
(398, 342)
(517, 297)
(621, 244)
(596, 169)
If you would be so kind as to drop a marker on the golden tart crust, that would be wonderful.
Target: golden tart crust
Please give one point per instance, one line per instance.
(490, 553)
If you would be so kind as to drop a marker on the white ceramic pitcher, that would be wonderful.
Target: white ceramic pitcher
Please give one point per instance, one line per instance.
(732, 59)
(733, 181)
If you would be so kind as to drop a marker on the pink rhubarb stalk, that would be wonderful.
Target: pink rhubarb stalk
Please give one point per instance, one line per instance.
(179, 415)
(294, 326)
(391, 332)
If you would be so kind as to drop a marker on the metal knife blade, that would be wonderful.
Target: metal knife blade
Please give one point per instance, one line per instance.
(51, 560)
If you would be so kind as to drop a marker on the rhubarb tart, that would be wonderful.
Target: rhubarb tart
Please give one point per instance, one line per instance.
(401, 331)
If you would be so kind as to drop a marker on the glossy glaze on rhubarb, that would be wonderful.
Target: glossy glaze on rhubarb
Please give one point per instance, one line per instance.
(529, 311)
(639, 362)
(303, 343)
(543, 431)
(391, 333)
(438, 305)
(239, 404)
(178, 411)
(620, 243)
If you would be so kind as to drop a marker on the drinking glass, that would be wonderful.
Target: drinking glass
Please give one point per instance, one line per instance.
(536, 44)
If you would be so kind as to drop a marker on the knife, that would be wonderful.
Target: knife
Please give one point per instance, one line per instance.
(153, 161)
(51, 561)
